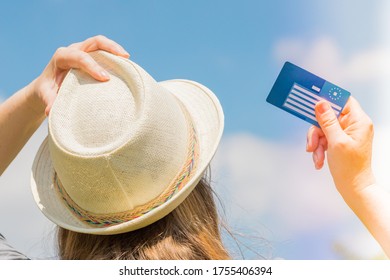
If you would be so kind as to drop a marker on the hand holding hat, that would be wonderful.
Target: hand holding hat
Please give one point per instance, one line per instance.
(74, 56)
(24, 111)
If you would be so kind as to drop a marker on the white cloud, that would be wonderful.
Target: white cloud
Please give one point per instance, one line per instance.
(321, 56)
(278, 181)
(385, 22)
(324, 57)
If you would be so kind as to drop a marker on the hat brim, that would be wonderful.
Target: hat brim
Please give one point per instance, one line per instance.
(208, 119)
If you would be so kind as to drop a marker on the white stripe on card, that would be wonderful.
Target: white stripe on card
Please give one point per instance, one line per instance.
(300, 106)
(299, 111)
(300, 100)
(308, 98)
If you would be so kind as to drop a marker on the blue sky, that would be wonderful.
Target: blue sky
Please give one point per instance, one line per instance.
(236, 48)
(227, 45)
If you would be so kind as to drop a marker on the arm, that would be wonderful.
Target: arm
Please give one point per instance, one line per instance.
(23, 112)
(20, 116)
(348, 142)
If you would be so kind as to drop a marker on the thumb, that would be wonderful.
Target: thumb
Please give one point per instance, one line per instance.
(328, 121)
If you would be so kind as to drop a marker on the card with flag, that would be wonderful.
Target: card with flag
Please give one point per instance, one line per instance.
(297, 91)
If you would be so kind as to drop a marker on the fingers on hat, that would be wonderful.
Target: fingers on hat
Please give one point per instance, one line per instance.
(66, 58)
(101, 42)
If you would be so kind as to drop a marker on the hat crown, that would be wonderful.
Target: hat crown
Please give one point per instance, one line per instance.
(116, 145)
(92, 118)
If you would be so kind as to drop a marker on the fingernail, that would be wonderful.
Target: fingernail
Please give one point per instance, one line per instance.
(323, 107)
(122, 50)
(104, 74)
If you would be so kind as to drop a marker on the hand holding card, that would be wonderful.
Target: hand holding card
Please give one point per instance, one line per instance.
(297, 91)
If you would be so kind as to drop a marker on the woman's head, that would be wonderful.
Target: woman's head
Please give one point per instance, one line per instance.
(190, 232)
(123, 154)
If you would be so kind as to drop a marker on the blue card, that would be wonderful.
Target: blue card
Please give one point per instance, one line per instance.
(297, 91)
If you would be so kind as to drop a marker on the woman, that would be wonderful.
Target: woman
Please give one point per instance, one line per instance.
(158, 130)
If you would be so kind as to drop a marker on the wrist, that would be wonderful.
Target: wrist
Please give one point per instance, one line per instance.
(34, 101)
(356, 185)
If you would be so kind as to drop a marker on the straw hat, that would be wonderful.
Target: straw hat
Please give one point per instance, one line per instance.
(122, 154)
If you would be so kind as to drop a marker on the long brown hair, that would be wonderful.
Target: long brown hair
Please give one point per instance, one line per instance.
(191, 232)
